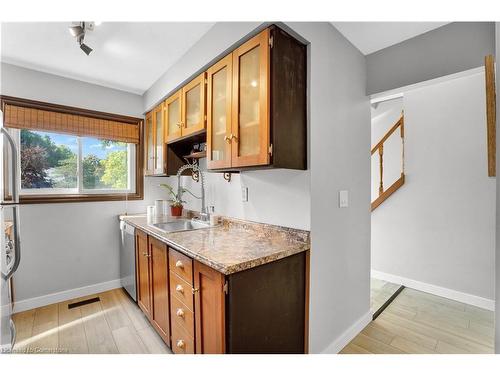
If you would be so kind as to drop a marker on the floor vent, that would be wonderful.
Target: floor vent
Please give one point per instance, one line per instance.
(388, 302)
(82, 303)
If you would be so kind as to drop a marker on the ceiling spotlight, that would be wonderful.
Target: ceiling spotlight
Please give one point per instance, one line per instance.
(85, 48)
(78, 31)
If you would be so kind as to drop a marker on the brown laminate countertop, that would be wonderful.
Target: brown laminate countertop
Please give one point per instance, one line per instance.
(232, 246)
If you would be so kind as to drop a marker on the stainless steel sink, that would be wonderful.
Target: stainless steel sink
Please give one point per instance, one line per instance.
(179, 225)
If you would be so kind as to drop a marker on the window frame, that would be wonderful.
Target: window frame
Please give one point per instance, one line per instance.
(80, 194)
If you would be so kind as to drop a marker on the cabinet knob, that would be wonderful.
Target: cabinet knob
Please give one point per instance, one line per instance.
(146, 255)
(179, 264)
(180, 343)
(179, 288)
(195, 290)
(178, 125)
(180, 312)
(234, 137)
(227, 139)
(183, 125)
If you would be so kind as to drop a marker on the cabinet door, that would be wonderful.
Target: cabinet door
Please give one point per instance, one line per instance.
(250, 126)
(173, 110)
(193, 106)
(150, 145)
(219, 114)
(158, 139)
(159, 288)
(142, 265)
(209, 310)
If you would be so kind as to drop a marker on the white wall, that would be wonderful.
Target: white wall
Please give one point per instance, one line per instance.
(70, 245)
(339, 119)
(439, 228)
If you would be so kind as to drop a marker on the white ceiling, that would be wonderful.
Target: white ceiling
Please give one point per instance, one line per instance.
(370, 37)
(128, 56)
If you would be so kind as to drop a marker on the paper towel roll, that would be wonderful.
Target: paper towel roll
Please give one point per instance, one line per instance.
(159, 207)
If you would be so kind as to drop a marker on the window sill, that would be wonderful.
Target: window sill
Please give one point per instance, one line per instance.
(70, 198)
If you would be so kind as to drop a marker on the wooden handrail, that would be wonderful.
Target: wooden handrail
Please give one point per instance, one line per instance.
(384, 194)
(398, 123)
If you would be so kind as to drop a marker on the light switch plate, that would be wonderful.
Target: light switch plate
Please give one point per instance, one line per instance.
(343, 198)
(244, 194)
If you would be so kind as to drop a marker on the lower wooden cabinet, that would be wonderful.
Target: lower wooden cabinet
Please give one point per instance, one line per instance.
(142, 270)
(152, 280)
(159, 288)
(209, 306)
(196, 309)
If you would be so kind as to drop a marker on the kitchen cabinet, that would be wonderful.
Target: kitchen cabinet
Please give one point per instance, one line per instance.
(155, 142)
(256, 109)
(209, 305)
(159, 288)
(152, 281)
(142, 272)
(185, 110)
(197, 309)
(150, 145)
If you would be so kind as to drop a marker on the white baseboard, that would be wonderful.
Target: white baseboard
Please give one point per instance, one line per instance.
(469, 299)
(32, 303)
(350, 333)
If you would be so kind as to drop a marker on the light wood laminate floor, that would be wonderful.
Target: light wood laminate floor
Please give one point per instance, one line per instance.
(380, 292)
(421, 323)
(113, 325)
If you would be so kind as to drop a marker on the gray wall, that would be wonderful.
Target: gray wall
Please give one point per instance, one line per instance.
(449, 49)
(497, 227)
(339, 119)
(73, 245)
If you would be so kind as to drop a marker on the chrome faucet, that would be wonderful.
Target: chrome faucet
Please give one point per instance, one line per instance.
(204, 216)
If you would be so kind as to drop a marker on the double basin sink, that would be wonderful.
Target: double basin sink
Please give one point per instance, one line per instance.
(180, 225)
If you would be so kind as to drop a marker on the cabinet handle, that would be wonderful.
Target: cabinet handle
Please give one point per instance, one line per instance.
(227, 139)
(179, 264)
(146, 255)
(179, 289)
(180, 343)
(178, 125)
(183, 125)
(180, 312)
(234, 137)
(195, 290)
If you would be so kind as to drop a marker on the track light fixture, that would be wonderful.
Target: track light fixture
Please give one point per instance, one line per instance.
(78, 31)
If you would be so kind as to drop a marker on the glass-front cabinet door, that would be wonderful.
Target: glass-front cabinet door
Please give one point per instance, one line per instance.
(150, 145)
(219, 101)
(193, 108)
(173, 109)
(250, 123)
(159, 139)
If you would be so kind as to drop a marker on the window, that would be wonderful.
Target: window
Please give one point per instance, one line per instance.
(52, 163)
(88, 159)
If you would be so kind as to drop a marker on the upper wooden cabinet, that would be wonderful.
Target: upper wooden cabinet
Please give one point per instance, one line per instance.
(185, 110)
(219, 113)
(155, 143)
(258, 119)
(150, 145)
(173, 110)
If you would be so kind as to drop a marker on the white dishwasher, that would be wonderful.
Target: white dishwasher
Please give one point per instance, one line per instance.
(127, 259)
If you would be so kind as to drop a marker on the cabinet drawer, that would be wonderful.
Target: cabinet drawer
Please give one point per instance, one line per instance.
(182, 343)
(181, 290)
(181, 264)
(182, 316)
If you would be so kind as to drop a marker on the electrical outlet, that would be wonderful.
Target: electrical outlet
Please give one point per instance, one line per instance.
(244, 194)
(343, 198)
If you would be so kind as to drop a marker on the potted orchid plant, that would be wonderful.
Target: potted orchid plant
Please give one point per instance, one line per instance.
(176, 202)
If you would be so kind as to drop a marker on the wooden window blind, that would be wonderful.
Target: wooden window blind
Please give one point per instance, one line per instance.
(52, 120)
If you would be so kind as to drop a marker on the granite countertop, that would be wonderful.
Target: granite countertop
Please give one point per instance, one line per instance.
(233, 245)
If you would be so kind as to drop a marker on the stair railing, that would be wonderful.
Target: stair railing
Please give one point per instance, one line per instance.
(383, 193)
